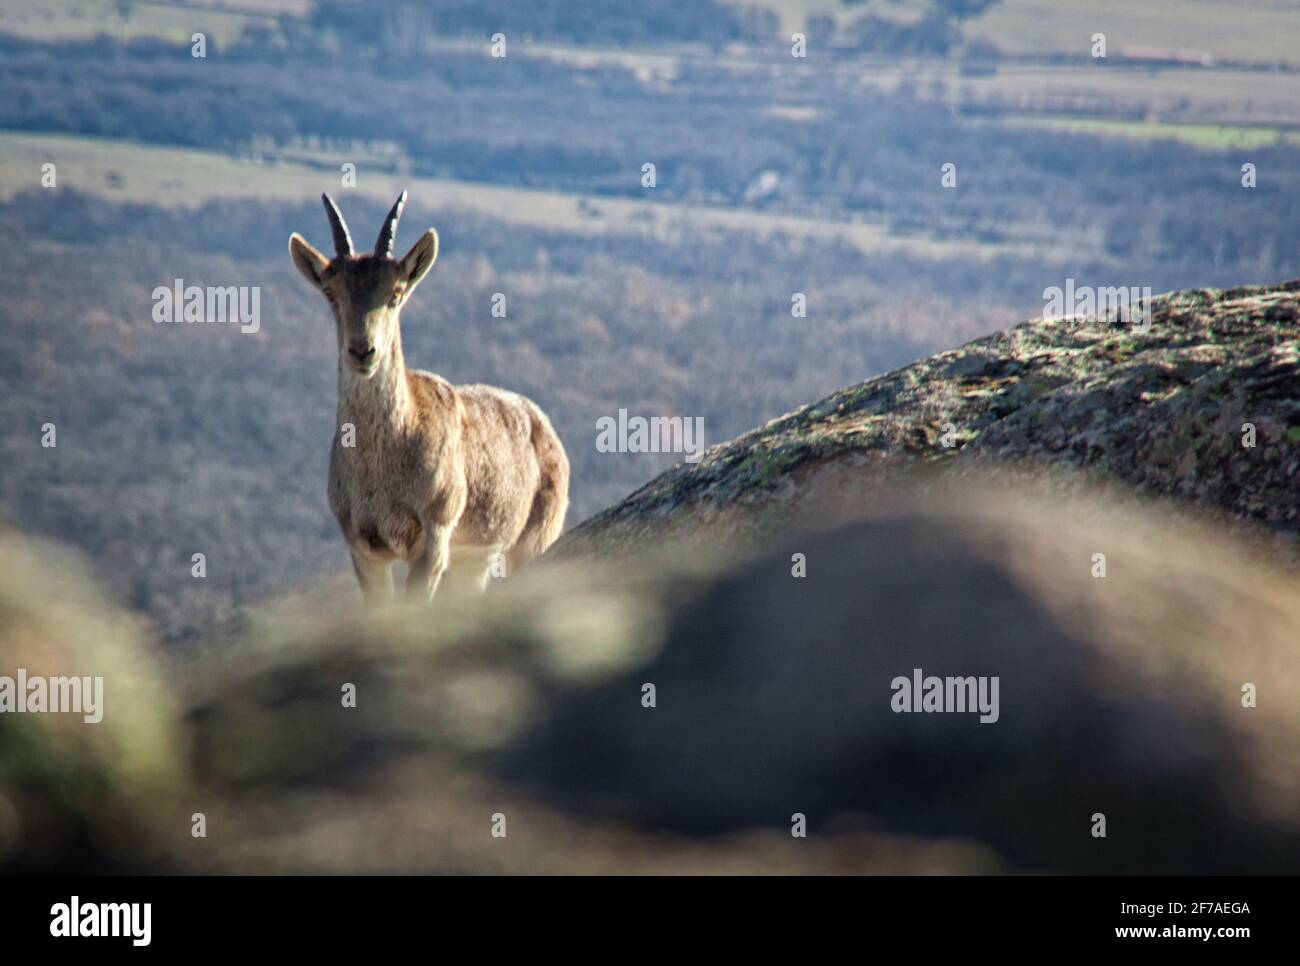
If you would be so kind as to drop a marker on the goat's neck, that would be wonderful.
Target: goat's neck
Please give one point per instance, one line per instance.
(382, 402)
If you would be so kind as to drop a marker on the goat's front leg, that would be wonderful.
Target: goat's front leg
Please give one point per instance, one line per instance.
(427, 569)
(375, 576)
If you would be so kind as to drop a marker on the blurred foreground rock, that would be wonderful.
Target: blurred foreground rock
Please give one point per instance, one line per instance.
(1119, 695)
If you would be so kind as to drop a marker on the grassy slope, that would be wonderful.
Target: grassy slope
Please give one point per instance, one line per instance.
(1252, 30)
(1249, 30)
(178, 177)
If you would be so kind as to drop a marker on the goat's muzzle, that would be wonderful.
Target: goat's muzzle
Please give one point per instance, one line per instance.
(362, 356)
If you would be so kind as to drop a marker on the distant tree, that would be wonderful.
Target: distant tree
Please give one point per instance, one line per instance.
(963, 9)
(820, 28)
(932, 35)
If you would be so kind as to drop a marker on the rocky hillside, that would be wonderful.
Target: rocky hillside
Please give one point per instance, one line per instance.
(1162, 412)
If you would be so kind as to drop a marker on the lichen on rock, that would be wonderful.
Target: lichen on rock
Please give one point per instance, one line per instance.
(1166, 411)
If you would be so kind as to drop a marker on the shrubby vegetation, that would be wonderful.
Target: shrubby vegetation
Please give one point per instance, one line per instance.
(408, 25)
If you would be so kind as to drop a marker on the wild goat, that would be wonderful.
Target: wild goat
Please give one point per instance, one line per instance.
(421, 470)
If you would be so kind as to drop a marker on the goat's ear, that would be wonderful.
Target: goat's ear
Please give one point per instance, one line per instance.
(416, 263)
(307, 259)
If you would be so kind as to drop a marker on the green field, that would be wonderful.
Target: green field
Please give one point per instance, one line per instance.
(1212, 137)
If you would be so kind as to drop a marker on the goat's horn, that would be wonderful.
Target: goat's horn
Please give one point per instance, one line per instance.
(384, 244)
(342, 240)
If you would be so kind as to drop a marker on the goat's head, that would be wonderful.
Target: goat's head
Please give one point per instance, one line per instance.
(366, 292)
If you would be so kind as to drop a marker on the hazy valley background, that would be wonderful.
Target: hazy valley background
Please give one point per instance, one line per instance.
(775, 175)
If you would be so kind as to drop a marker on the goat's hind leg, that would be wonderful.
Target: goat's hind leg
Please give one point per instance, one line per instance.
(471, 567)
(545, 523)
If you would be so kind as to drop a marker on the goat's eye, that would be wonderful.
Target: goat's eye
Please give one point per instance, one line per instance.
(329, 296)
(397, 297)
